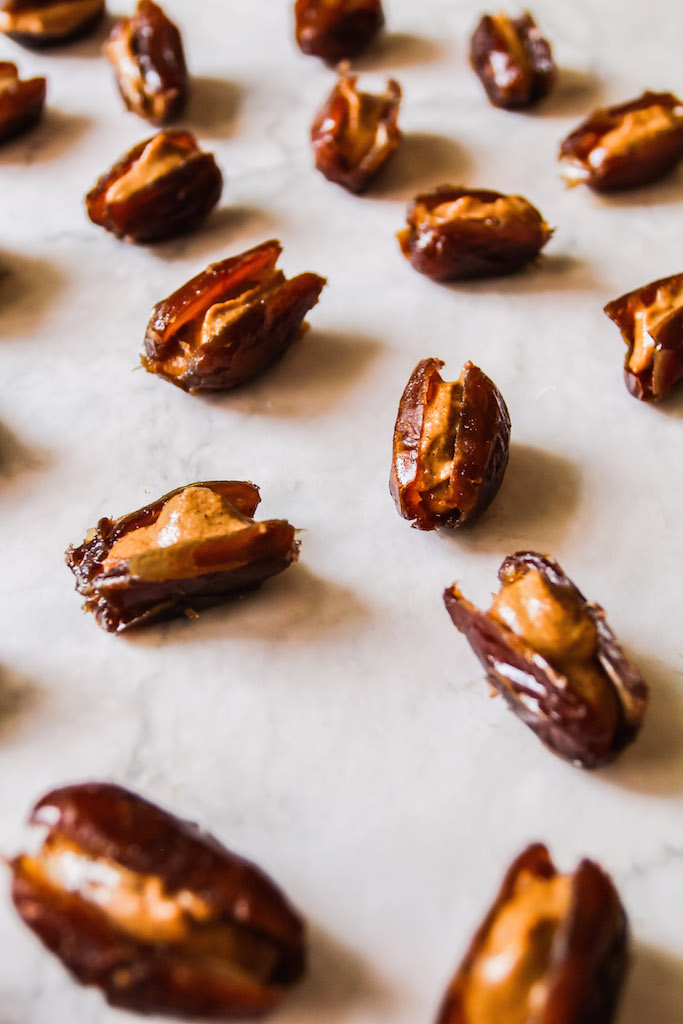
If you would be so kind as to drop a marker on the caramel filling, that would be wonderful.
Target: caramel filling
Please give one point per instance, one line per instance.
(365, 129)
(55, 19)
(647, 320)
(158, 158)
(635, 128)
(437, 446)
(507, 983)
(505, 210)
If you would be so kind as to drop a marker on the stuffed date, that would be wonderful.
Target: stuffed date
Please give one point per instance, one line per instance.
(513, 60)
(37, 23)
(337, 29)
(21, 102)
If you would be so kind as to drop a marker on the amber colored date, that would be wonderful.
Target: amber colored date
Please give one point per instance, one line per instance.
(163, 187)
(146, 52)
(21, 102)
(651, 323)
(157, 914)
(451, 445)
(625, 146)
(513, 60)
(355, 133)
(553, 657)
(229, 323)
(337, 29)
(39, 23)
(457, 233)
(553, 949)
(197, 546)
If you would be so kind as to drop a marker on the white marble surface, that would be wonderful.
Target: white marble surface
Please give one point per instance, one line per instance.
(334, 726)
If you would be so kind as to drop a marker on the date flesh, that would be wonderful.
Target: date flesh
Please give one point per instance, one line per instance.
(553, 949)
(146, 52)
(456, 233)
(21, 102)
(554, 659)
(355, 133)
(229, 323)
(197, 546)
(651, 323)
(513, 60)
(337, 29)
(451, 445)
(154, 912)
(162, 188)
(625, 146)
(39, 23)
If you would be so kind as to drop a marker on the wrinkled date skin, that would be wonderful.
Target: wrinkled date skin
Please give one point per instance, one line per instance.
(456, 233)
(230, 323)
(21, 103)
(451, 445)
(355, 133)
(513, 60)
(651, 323)
(337, 29)
(197, 546)
(162, 188)
(555, 660)
(38, 23)
(553, 949)
(625, 146)
(157, 914)
(146, 52)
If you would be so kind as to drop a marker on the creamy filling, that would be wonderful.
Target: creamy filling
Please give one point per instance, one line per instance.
(507, 66)
(437, 446)
(365, 129)
(8, 82)
(634, 129)
(56, 19)
(646, 322)
(158, 158)
(505, 210)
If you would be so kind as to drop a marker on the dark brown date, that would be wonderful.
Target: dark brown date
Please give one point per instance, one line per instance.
(651, 323)
(355, 133)
(451, 444)
(555, 660)
(38, 23)
(513, 60)
(457, 233)
(163, 187)
(625, 146)
(337, 29)
(193, 548)
(21, 103)
(146, 52)
(229, 323)
(154, 912)
(553, 949)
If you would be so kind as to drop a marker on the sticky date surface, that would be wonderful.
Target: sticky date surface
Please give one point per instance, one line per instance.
(513, 60)
(39, 23)
(157, 914)
(21, 102)
(337, 29)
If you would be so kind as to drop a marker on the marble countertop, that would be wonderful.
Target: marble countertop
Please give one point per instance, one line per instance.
(334, 726)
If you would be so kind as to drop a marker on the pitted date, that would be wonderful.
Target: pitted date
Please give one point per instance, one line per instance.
(162, 188)
(229, 323)
(651, 323)
(553, 657)
(337, 29)
(37, 23)
(553, 948)
(355, 133)
(157, 914)
(456, 233)
(513, 60)
(146, 52)
(625, 146)
(21, 102)
(451, 445)
(197, 546)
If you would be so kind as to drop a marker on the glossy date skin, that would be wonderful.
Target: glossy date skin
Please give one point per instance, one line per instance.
(229, 323)
(337, 29)
(553, 949)
(451, 445)
(355, 133)
(625, 146)
(455, 234)
(651, 323)
(513, 60)
(196, 547)
(162, 188)
(38, 23)
(554, 659)
(157, 914)
(21, 102)
(146, 52)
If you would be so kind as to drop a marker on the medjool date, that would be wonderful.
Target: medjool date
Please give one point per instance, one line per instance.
(21, 102)
(513, 60)
(336, 29)
(49, 22)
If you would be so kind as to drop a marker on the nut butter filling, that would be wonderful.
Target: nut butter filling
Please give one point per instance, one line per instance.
(437, 445)
(55, 19)
(503, 211)
(158, 158)
(636, 128)
(507, 66)
(365, 129)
